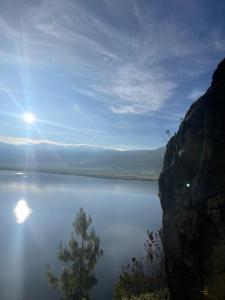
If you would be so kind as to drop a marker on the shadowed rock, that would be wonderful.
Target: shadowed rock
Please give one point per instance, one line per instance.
(192, 194)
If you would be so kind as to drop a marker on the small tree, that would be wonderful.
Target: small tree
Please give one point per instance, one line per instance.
(79, 259)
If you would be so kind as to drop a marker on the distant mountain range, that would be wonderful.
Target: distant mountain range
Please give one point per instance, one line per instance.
(82, 160)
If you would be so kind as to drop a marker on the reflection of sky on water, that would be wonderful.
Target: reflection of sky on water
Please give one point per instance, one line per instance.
(122, 211)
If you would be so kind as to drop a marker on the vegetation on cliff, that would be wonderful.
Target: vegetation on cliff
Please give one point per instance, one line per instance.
(144, 277)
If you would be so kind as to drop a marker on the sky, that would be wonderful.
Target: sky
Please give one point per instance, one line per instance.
(113, 73)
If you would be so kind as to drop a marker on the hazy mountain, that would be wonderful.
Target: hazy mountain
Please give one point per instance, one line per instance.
(83, 160)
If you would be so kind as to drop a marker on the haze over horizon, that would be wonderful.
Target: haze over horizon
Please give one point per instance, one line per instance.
(105, 73)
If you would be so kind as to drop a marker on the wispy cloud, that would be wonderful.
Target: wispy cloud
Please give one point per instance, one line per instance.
(135, 90)
(136, 11)
(133, 71)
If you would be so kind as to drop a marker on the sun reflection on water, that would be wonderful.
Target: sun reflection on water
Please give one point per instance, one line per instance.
(22, 211)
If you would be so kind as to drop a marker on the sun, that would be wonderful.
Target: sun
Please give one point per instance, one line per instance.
(29, 118)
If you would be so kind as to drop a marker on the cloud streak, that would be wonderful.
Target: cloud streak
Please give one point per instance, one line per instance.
(31, 142)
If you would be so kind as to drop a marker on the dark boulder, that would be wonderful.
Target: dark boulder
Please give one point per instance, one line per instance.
(192, 194)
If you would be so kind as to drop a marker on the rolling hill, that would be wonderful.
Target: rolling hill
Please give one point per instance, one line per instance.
(82, 160)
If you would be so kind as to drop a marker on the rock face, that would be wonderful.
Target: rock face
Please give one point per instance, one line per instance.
(192, 194)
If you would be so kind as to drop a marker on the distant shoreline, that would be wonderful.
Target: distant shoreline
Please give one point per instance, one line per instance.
(84, 174)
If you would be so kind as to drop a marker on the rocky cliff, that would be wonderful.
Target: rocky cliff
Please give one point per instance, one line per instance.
(192, 194)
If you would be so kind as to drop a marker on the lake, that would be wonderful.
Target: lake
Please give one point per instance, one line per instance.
(121, 211)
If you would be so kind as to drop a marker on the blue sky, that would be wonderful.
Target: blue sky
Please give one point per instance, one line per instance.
(109, 73)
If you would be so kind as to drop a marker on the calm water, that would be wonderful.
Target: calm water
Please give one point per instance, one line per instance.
(121, 210)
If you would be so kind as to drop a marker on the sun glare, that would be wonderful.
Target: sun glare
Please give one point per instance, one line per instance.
(29, 118)
(22, 211)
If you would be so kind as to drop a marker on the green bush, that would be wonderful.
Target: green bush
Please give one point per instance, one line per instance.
(159, 295)
(144, 278)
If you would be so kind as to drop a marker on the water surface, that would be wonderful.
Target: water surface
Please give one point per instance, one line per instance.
(121, 210)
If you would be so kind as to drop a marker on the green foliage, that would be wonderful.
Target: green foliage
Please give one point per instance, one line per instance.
(154, 259)
(133, 280)
(144, 276)
(159, 295)
(79, 258)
